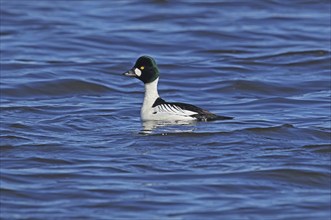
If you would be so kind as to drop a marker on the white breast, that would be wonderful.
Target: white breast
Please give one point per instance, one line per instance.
(164, 112)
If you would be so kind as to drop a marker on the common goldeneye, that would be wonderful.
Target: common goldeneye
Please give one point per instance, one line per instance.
(154, 107)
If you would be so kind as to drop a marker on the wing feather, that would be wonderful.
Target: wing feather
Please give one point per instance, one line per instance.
(187, 110)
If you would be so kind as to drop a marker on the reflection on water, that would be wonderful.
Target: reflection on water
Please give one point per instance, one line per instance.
(168, 126)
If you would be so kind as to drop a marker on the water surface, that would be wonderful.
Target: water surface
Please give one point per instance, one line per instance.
(73, 146)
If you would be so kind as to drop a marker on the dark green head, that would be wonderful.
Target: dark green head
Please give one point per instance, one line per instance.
(144, 69)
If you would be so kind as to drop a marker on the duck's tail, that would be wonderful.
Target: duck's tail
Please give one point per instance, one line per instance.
(211, 117)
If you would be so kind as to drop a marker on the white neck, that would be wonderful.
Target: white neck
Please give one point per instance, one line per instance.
(151, 94)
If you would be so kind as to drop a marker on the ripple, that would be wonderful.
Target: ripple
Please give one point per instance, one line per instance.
(319, 148)
(70, 141)
(61, 87)
(293, 58)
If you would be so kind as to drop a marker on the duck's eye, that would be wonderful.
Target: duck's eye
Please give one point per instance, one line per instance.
(142, 67)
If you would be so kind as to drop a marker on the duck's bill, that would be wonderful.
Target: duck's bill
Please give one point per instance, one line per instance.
(130, 73)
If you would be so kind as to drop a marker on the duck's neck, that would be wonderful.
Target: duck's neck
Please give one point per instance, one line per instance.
(151, 93)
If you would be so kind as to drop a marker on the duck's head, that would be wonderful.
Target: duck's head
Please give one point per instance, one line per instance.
(145, 69)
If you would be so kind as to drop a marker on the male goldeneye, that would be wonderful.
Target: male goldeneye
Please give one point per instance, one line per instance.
(154, 107)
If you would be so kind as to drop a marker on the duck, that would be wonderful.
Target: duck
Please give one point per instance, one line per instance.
(154, 108)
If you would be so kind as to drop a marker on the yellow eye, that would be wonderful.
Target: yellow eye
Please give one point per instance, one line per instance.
(142, 67)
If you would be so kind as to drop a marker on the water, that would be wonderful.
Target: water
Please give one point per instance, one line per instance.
(73, 146)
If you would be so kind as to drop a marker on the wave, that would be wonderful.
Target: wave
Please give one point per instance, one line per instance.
(295, 58)
(59, 87)
(281, 131)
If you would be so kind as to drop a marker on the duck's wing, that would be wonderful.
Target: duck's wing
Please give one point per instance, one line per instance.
(172, 108)
(184, 109)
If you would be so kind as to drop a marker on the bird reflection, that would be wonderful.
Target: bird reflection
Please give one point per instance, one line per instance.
(148, 127)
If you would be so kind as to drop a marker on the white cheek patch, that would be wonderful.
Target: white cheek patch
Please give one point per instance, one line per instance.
(137, 72)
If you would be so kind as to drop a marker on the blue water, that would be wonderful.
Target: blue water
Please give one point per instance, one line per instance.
(71, 140)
